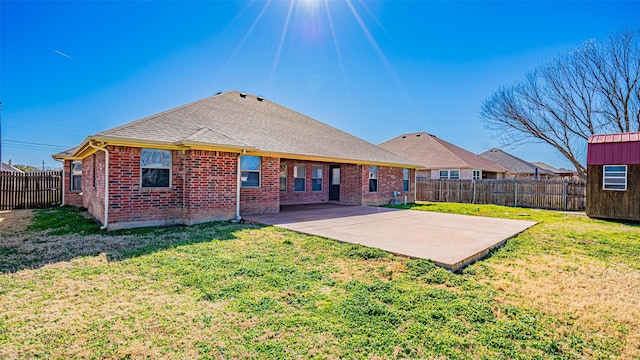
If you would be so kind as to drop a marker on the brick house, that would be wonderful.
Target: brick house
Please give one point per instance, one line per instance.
(222, 157)
(440, 159)
(613, 176)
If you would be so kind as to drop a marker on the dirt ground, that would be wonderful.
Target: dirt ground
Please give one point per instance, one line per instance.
(14, 221)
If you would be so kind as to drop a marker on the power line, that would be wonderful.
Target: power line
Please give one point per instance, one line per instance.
(33, 143)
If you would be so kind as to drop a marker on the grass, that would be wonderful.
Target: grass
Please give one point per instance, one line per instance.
(566, 289)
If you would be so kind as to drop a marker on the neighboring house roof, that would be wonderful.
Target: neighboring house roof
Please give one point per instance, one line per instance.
(10, 168)
(236, 121)
(434, 153)
(557, 171)
(513, 163)
(614, 149)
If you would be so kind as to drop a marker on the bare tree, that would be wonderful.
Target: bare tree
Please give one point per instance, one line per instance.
(593, 89)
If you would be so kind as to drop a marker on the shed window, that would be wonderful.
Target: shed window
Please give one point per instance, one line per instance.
(76, 175)
(614, 177)
(283, 177)
(299, 177)
(405, 179)
(373, 178)
(477, 174)
(316, 178)
(155, 168)
(250, 167)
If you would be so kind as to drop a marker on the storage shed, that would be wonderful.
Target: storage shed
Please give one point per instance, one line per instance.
(613, 176)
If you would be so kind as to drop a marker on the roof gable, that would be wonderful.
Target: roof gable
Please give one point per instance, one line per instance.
(513, 163)
(434, 153)
(614, 149)
(237, 120)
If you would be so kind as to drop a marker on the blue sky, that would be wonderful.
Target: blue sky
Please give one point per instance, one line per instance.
(375, 69)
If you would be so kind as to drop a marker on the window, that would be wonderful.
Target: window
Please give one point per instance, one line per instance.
(299, 177)
(450, 174)
(373, 178)
(477, 174)
(615, 177)
(250, 168)
(406, 173)
(316, 178)
(76, 175)
(155, 168)
(283, 177)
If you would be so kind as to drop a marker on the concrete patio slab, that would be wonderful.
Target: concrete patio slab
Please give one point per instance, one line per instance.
(451, 241)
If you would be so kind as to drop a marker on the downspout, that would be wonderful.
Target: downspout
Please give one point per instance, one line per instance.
(106, 184)
(238, 186)
(62, 182)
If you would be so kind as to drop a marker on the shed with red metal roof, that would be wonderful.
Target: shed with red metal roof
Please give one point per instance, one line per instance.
(613, 176)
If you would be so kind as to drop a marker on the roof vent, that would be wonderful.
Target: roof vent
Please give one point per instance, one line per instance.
(260, 98)
(418, 134)
(243, 95)
(219, 92)
(404, 136)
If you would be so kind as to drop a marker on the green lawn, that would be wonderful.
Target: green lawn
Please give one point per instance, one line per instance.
(566, 288)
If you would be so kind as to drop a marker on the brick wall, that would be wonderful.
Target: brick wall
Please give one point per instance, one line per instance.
(93, 196)
(210, 184)
(389, 180)
(266, 198)
(308, 196)
(71, 197)
(351, 184)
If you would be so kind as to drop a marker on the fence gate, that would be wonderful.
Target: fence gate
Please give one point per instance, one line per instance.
(30, 190)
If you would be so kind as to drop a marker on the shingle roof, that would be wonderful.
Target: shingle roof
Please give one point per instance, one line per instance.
(514, 164)
(434, 153)
(238, 120)
(9, 168)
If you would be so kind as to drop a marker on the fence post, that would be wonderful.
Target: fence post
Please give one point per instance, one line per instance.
(564, 195)
(473, 186)
(440, 195)
(515, 189)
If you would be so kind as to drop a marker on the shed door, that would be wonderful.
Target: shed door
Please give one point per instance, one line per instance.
(334, 183)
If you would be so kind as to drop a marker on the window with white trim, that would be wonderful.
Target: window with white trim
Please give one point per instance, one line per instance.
(476, 174)
(316, 178)
(76, 175)
(406, 173)
(283, 177)
(250, 167)
(373, 178)
(614, 177)
(155, 168)
(299, 177)
(450, 174)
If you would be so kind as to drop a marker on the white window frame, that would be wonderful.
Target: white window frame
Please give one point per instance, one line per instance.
(614, 174)
(156, 166)
(448, 175)
(296, 175)
(284, 170)
(476, 174)
(73, 173)
(406, 180)
(243, 170)
(373, 175)
(314, 177)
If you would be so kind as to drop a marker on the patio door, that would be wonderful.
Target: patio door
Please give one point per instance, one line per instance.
(334, 182)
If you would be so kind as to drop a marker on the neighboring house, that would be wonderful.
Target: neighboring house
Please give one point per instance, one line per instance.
(560, 172)
(10, 168)
(613, 176)
(517, 167)
(442, 160)
(224, 156)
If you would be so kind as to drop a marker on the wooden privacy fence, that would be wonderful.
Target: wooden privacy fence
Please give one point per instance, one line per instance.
(529, 193)
(30, 190)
